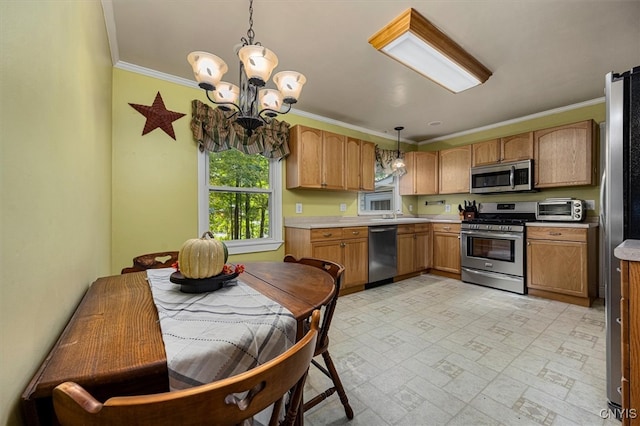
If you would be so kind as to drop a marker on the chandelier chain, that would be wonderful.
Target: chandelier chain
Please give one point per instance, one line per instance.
(250, 33)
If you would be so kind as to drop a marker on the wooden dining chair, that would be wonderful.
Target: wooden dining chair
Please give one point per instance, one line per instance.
(216, 403)
(322, 346)
(152, 261)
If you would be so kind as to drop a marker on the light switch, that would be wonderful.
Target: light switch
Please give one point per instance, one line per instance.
(343, 207)
(298, 207)
(447, 208)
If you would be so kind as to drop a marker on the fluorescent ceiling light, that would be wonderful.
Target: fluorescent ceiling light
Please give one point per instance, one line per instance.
(415, 42)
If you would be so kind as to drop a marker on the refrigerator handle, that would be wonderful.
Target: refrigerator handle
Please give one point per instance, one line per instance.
(603, 212)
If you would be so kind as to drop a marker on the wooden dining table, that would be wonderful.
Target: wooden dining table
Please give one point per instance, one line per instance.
(113, 346)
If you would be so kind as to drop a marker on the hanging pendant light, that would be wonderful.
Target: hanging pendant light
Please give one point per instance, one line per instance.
(250, 102)
(398, 163)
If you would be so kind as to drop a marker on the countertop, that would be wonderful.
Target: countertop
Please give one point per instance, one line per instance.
(346, 221)
(310, 222)
(628, 250)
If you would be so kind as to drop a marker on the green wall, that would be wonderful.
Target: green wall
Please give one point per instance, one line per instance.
(155, 177)
(55, 175)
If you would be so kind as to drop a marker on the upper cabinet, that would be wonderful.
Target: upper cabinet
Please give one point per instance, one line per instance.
(422, 173)
(454, 170)
(564, 155)
(360, 165)
(510, 148)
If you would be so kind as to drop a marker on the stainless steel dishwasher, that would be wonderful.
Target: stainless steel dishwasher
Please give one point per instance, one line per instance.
(382, 252)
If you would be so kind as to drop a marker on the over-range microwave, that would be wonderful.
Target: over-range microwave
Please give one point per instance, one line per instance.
(516, 176)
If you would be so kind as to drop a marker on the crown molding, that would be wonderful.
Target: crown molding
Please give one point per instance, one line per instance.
(516, 120)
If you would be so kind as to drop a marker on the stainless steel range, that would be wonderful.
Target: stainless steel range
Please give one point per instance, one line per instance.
(493, 245)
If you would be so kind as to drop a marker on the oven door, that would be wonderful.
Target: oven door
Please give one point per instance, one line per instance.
(493, 251)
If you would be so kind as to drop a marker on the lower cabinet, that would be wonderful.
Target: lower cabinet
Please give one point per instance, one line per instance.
(347, 246)
(413, 250)
(446, 247)
(630, 340)
(562, 264)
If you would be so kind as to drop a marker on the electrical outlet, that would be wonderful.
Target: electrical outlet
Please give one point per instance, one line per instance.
(343, 207)
(447, 208)
(591, 204)
(410, 207)
(298, 207)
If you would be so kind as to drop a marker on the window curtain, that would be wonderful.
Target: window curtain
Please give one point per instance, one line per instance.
(384, 161)
(214, 132)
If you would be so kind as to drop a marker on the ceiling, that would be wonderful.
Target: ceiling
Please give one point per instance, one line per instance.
(544, 54)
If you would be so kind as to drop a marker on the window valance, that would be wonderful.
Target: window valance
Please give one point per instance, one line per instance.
(214, 132)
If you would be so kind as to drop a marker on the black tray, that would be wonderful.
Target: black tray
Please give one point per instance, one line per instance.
(202, 285)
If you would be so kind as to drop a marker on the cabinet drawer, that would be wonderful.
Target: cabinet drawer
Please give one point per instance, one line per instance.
(406, 229)
(355, 232)
(326, 234)
(452, 228)
(422, 227)
(557, 234)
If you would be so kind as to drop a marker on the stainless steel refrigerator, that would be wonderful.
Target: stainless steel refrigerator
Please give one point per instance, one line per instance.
(619, 204)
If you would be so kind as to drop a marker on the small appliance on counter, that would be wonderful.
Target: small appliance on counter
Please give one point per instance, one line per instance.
(561, 210)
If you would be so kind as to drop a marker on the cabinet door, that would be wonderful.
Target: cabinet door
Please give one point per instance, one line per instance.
(486, 152)
(304, 169)
(333, 161)
(353, 164)
(563, 155)
(328, 250)
(423, 253)
(406, 254)
(557, 266)
(426, 167)
(407, 180)
(367, 165)
(517, 147)
(356, 262)
(446, 252)
(454, 170)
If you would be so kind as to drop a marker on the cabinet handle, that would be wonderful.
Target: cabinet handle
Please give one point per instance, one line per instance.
(355, 232)
(446, 228)
(343, 244)
(528, 243)
(555, 233)
(327, 234)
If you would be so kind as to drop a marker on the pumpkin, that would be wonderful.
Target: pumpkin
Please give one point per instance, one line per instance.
(202, 257)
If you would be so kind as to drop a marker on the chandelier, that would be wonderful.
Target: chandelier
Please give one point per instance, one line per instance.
(251, 104)
(398, 163)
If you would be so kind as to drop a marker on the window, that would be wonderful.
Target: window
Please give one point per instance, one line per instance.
(240, 200)
(384, 200)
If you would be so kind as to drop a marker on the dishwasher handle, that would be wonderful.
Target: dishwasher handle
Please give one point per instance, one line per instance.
(391, 228)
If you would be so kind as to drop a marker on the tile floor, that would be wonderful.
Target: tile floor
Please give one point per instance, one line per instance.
(436, 351)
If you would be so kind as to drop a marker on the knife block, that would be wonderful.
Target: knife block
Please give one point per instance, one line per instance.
(469, 215)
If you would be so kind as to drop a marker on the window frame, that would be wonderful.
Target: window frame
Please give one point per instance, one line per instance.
(254, 245)
(396, 200)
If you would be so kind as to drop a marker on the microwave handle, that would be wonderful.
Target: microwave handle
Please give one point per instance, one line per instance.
(512, 177)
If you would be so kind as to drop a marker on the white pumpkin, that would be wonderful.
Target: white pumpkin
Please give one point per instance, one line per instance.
(202, 257)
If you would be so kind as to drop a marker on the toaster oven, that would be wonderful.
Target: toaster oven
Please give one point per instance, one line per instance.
(561, 210)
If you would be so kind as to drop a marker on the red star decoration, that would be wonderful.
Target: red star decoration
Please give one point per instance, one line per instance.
(158, 116)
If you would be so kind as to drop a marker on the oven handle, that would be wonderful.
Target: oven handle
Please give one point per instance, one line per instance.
(492, 235)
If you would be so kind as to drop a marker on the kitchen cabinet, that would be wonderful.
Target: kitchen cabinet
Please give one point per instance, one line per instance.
(630, 341)
(413, 250)
(562, 263)
(316, 159)
(422, 173)
(454, 170)
(348, 246)
(360, 165)
(446, 248)
(565, 155)
(502, 150)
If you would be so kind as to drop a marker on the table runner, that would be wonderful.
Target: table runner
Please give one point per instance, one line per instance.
(212, 336)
